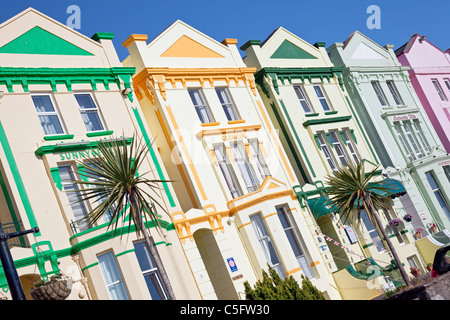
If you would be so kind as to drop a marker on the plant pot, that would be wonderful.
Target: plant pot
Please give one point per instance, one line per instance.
(418, 235)
(429, 268)
(433, 229)
(415, 273)
(58, 289)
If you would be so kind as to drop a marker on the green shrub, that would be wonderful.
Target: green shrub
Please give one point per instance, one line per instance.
(272, 287)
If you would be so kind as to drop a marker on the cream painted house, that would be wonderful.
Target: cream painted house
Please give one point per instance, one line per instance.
(62, 92)
(232, 177)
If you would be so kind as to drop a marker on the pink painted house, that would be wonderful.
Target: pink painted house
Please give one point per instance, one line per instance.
(430, 77)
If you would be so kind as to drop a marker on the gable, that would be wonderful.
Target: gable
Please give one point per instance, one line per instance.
(186, 47)
(363, 51)
(40, 41)
(288, 50)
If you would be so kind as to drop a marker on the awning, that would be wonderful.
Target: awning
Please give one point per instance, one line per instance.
(393, 188)
(321, 206)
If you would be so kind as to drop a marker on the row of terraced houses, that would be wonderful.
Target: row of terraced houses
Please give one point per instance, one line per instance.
(247, 135)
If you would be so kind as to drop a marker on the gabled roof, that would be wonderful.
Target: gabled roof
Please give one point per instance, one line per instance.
(406, 48)
(33, 33)
(182, 46)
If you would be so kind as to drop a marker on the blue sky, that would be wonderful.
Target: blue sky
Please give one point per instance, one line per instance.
(315, 21)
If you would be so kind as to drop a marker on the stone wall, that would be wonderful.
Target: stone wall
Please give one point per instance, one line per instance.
(436, 289)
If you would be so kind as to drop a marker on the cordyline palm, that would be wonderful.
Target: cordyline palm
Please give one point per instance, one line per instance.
(350, 191)
(115, 187)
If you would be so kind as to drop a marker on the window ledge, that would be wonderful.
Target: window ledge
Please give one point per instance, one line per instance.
(210, 124)
(236, 121)
(330, 112)
(99, 133)
(311, 114)
(59, 137)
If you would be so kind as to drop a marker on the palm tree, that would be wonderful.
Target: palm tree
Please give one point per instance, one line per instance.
(115, 187)
(350, 190)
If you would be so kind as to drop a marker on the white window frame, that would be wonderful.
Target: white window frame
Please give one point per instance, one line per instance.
(322, 97)
(419, 134)
(439, 90)
(294, 240)
(417, 148)
(229, 108)
(201, 105)
(303, 99)
(447, 171)
(395, 94)
(439, 194)
(380, 93)
(351, 146)
(108, 215)
(400, 136)
(227, 170)
(120, 281)
(447, 83)
(334, 135)
(96, 110)
(153, 273)
(247, 173)
(69, 183)
(54, 113)
(267, 246)
(373, 232)
(326, 151)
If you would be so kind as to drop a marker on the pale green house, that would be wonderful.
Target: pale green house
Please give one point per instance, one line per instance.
(404, 139)
(305, 96)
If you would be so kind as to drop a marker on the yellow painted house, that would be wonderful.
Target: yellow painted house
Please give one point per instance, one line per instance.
(61, 92)
(233, 179)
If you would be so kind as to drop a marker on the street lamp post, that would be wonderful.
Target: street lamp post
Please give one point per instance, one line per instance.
(8, 263)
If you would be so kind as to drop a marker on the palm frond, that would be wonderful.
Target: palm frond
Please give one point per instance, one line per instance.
(111, 182)
(350, 190)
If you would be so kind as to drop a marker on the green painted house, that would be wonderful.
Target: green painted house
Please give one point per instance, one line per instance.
(403, 137)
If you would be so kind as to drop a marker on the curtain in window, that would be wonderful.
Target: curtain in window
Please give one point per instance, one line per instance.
(227, 104)
(259, 157)
(227, 172)
(244, 167)
(47, 115)
(78, 208)
(89, 112)
(150, 272)
(266, 244)
(93, 176)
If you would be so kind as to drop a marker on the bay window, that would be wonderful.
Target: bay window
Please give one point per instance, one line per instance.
(246, 170)
(227, 170)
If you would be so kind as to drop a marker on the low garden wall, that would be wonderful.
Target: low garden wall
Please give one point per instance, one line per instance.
(435, 289)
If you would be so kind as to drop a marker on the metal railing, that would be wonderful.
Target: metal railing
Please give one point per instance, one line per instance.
(15, 226)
